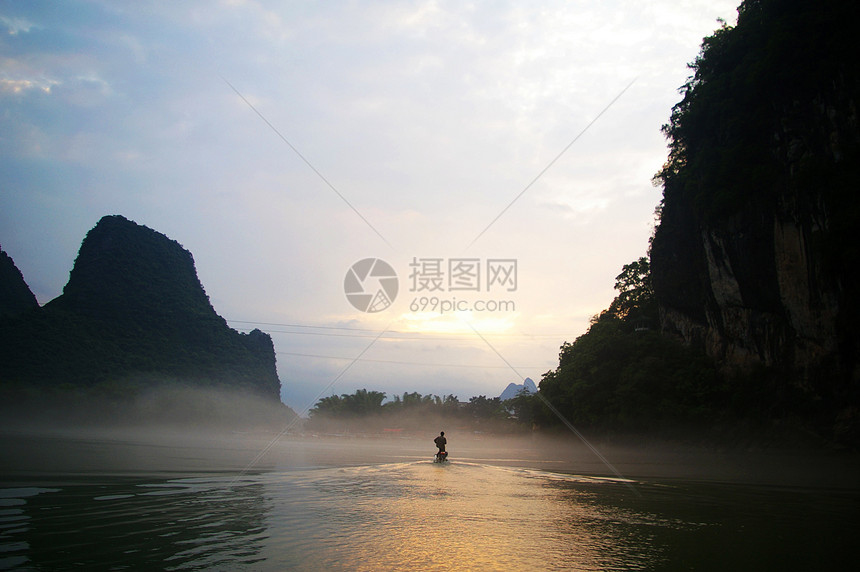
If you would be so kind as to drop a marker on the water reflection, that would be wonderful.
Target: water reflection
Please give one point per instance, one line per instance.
(461, 516)
(178, 524)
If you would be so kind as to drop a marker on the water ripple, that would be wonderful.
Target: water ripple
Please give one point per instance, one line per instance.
(460, 516)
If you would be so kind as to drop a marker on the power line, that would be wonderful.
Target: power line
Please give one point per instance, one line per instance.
(551, 163)
(402, 336)
(303, 326)
(407, 362)
(394, 334)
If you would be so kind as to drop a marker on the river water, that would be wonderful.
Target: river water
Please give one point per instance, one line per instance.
(92, 503)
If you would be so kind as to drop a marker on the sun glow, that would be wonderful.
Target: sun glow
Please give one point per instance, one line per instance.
(466, 322)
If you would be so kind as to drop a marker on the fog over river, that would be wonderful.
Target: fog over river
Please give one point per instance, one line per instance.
(153, 500)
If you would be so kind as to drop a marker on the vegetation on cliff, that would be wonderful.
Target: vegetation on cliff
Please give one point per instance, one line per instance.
(744, 313)
(622, 375)
(132, 316)
(15, 296)
(753, 260)
(747, 110)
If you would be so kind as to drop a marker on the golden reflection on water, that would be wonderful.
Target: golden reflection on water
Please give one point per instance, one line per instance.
(420, 516)
(460, 516)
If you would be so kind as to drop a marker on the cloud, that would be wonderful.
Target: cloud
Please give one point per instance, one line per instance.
(429, 117)
(19, 86)
(15, 26)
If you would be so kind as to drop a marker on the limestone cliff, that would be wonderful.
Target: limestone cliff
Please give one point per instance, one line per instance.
(132, 314)
(754, 257)
(15, 296)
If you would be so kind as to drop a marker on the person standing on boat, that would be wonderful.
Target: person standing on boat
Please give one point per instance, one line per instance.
(441, 441)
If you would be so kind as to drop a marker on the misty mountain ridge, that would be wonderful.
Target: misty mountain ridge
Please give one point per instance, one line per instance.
(133, 315)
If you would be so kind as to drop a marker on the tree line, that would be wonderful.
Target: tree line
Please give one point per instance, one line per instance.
(410, 411)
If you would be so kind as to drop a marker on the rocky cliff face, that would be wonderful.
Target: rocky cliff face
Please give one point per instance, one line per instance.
(754, 258)
(126, 271)
(133, 314)
(15, 296)
(753, 290)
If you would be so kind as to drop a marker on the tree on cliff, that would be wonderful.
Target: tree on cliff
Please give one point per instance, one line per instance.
(617, 377)
(635, 302)
(755, 255)
(739, 107)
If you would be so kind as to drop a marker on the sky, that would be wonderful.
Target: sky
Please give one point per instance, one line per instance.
(497, 157)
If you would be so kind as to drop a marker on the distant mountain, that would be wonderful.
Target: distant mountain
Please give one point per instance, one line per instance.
(513, 389)
(15, 296)
(133, 314)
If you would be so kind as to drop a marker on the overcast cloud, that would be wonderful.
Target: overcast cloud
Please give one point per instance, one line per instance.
(429, 118)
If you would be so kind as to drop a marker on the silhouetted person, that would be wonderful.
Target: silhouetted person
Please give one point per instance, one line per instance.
(441, 441)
